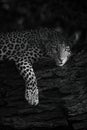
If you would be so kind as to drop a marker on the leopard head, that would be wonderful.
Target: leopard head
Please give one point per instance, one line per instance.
(61, 51)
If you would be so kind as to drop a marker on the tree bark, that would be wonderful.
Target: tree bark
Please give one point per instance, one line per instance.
(63, 95)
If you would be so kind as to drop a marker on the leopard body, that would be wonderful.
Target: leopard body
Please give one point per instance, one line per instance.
(27, 47)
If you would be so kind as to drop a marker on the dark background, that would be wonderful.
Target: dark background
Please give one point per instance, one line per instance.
(63, 90)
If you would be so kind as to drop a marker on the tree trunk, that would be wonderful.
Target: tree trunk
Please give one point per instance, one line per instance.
(63, 95)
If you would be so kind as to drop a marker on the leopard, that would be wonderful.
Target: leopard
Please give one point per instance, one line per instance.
(26, 48)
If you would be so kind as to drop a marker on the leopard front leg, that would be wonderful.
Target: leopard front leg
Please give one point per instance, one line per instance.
(31, 91)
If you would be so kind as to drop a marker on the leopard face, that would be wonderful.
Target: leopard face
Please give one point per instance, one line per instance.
(64, 54)
(60, 53)
(60, 48)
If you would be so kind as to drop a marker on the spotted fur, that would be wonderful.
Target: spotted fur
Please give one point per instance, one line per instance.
(26, 47)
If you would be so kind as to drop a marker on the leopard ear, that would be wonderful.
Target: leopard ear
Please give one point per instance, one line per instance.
(75, 37)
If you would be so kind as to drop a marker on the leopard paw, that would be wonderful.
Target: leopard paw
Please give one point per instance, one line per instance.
(32, 96)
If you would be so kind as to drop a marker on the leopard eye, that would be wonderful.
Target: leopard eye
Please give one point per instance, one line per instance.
(67, 48)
